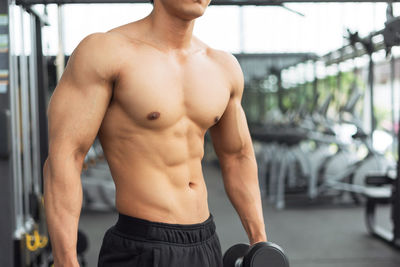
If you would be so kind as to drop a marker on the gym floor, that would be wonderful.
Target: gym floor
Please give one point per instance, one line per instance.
(313, 235)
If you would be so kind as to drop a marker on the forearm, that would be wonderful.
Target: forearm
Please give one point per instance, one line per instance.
(63, 201)
(241, 184)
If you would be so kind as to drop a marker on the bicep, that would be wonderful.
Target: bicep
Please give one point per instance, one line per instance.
(231, 135)
(78, 104)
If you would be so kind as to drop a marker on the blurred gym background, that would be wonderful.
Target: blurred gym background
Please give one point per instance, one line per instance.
(322, 99)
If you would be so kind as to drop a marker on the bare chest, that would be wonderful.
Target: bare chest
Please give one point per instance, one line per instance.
(156, 93)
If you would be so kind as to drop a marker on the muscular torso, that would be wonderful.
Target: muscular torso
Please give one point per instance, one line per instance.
(153, 131)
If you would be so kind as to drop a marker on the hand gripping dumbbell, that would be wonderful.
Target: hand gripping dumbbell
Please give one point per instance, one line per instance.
(262, 254)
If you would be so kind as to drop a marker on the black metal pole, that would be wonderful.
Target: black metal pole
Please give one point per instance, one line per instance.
(43, 88)
(371, 92)
(338, 90)
(315, 86)
(278, 74)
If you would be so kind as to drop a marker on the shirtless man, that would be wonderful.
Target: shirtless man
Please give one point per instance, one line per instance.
(150, 90)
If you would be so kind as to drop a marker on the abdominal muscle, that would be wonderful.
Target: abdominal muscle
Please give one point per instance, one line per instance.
(157, 177)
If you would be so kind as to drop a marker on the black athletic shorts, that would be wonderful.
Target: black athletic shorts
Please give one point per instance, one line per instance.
(134, 242)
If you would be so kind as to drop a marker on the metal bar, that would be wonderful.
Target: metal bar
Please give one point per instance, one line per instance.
(214, 2)
(347, 52)
(32, 11)
(315, 85)
(42, 80)
(60, 60)
(34, 109)
(280, 91)
(15, 128)
(338, 86)
(26, 138)
(371, 93)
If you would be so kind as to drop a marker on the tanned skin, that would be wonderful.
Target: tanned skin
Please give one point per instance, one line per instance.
(150, 90)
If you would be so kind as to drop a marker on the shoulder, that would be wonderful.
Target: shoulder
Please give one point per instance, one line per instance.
(224, 58)
(94, 43)
(105, 44)
(220, 57)
(230, 66)
(96, 52)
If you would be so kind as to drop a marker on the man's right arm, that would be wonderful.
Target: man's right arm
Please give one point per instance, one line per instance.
(75, 113)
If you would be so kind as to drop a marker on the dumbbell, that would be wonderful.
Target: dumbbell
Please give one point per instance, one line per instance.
(262, 254)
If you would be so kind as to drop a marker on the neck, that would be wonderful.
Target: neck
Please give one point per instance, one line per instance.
(169, 30)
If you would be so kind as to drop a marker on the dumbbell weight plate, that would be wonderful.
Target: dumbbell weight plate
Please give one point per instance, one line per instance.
(265, 254)
(234, 253)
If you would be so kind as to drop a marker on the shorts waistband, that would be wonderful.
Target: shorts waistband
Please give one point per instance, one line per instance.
(136, 228)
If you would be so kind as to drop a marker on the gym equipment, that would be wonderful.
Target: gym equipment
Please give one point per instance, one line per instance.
(344, 171)
(22, 116)
(284, 154)
(391, 33)
(23, 146)
(262, 254)
(382, 190)
(286, 160)
(323, 135)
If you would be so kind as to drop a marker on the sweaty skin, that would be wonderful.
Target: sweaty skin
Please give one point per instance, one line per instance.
(150, 93)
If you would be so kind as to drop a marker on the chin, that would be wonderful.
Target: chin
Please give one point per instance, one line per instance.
(193, 12)
(187, 9)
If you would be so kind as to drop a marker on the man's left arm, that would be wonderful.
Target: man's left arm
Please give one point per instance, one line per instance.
(234, 148)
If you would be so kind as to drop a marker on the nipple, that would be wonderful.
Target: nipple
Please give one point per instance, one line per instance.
(216, 119)
(153, 115)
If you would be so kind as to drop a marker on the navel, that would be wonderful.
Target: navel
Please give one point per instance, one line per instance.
(153, 115)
